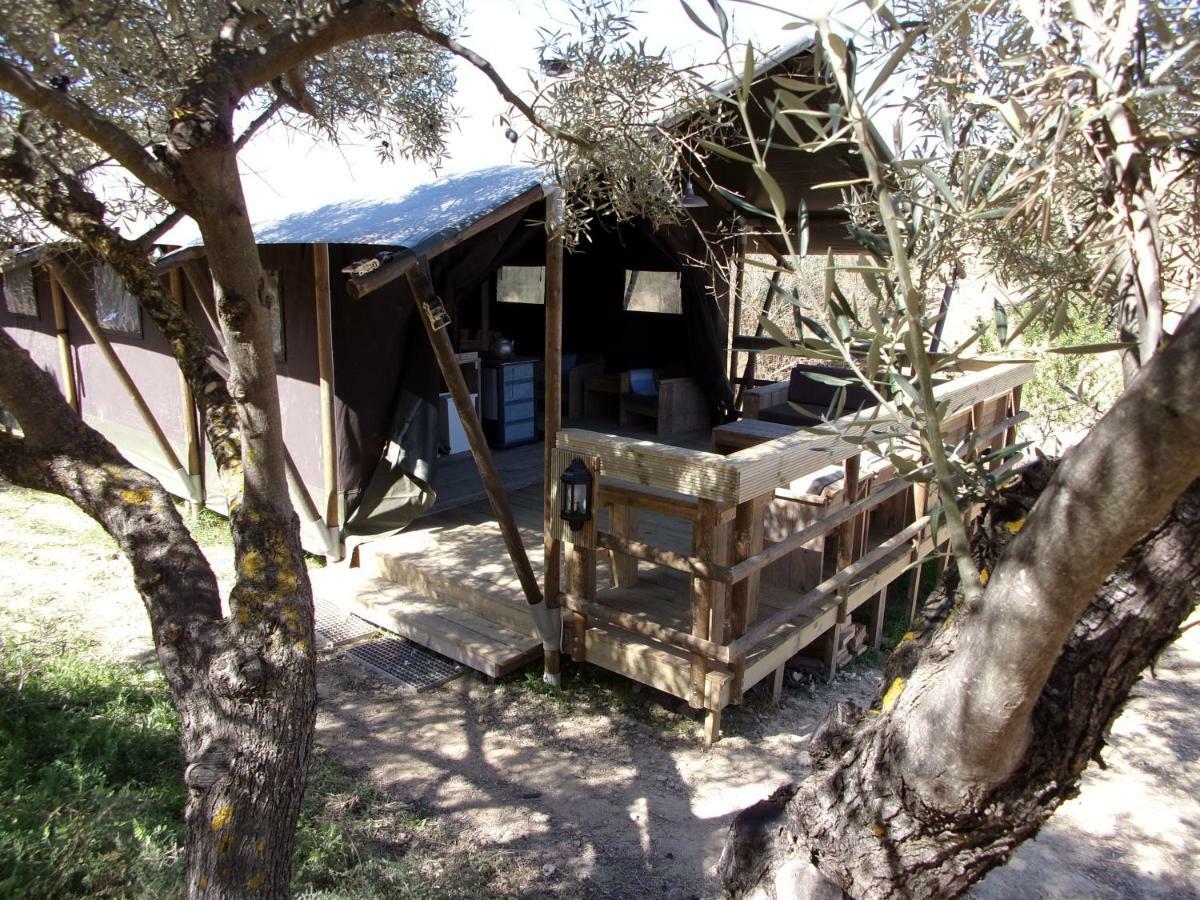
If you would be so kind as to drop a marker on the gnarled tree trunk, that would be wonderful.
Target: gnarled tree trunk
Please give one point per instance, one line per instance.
(986, 717)
(244, 686)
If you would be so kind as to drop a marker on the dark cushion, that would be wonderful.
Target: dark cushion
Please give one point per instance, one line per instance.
(786, 414)
(812, 393)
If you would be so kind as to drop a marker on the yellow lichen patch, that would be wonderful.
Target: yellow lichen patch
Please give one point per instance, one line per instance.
(877, 830)
(260, 846)
(1016, 526)
(136, 496)
(893, 693)
(224, 844)
(288, 582)
(222, 816)
(984, 575)
(908, 636)
(252, 565)
(256, 881)
(202, 882)
(949, 618)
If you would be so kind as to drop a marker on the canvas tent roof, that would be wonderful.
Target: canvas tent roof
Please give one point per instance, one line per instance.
(420, 218)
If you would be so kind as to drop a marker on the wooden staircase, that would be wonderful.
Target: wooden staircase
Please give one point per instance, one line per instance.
(451, 589)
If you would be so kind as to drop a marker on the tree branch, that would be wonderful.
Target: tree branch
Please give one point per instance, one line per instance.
(62, 455)
(65, 202)
(108, 136)
(259, 121)
(967, 720)
(156, 231)
(355, 19)
(444, 40)
(340, 23)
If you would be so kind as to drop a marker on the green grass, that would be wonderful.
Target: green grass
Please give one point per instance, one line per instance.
(90, 787)
(91, 797)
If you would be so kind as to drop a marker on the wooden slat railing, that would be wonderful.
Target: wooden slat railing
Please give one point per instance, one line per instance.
(718, 492)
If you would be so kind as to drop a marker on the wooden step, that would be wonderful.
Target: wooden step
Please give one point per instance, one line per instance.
(466, 567)
(474, 640)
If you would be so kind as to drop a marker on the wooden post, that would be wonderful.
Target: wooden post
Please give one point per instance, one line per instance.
(485, 306)
(551, 546)
(920, 501)
(325, 373)
(705, 545)
(433, 314)
(581, 558)
(188, 408)
(735, 289)
(747, 542)
(847, 538)
(106, 350)
(875, 616)
(64, 343)
(202, 287)
(752, 357)
(975, 425)
(1010, 436)
(777, 685)
(622, 524)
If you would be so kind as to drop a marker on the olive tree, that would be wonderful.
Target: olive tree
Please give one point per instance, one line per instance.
(147, 93)
(1079, 572)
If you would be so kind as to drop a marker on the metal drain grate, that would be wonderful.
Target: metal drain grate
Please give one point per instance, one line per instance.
(413, 667)
(339, 627)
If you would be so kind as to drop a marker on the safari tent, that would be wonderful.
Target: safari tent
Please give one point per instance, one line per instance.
(452, 381)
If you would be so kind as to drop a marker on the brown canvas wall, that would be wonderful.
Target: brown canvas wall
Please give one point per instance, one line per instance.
(36, 335)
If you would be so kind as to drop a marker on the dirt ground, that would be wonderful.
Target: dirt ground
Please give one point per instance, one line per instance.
(607, 792)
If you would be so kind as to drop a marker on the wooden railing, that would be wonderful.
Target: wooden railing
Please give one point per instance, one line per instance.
(724, 498)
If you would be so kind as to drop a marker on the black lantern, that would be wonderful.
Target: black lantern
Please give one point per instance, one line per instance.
(690, 199)
(575, 494)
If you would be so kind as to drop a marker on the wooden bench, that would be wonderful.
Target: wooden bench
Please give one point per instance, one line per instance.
(744, 433)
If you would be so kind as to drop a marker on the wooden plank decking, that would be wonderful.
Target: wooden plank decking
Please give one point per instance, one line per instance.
(447, 582)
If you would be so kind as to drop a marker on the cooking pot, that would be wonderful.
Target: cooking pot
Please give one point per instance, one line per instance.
(502, 347)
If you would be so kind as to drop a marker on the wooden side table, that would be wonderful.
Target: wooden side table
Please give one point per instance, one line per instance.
(601, 394)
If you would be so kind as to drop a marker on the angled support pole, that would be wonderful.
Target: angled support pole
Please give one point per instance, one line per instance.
(73, 289)
(435, 318)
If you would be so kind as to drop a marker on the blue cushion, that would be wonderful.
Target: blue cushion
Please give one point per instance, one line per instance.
(641, 383)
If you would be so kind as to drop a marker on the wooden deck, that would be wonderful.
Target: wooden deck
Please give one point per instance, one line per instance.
(701, 575)
(447, 582)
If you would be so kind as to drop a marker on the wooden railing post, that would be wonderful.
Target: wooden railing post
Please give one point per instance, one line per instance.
(622, 524)
(705, 545)
(579, 553)
(747, 543)
(847, 541)
(1010, 437)
(920, 502)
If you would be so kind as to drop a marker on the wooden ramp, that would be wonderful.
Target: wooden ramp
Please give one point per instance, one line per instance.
(452, 590)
